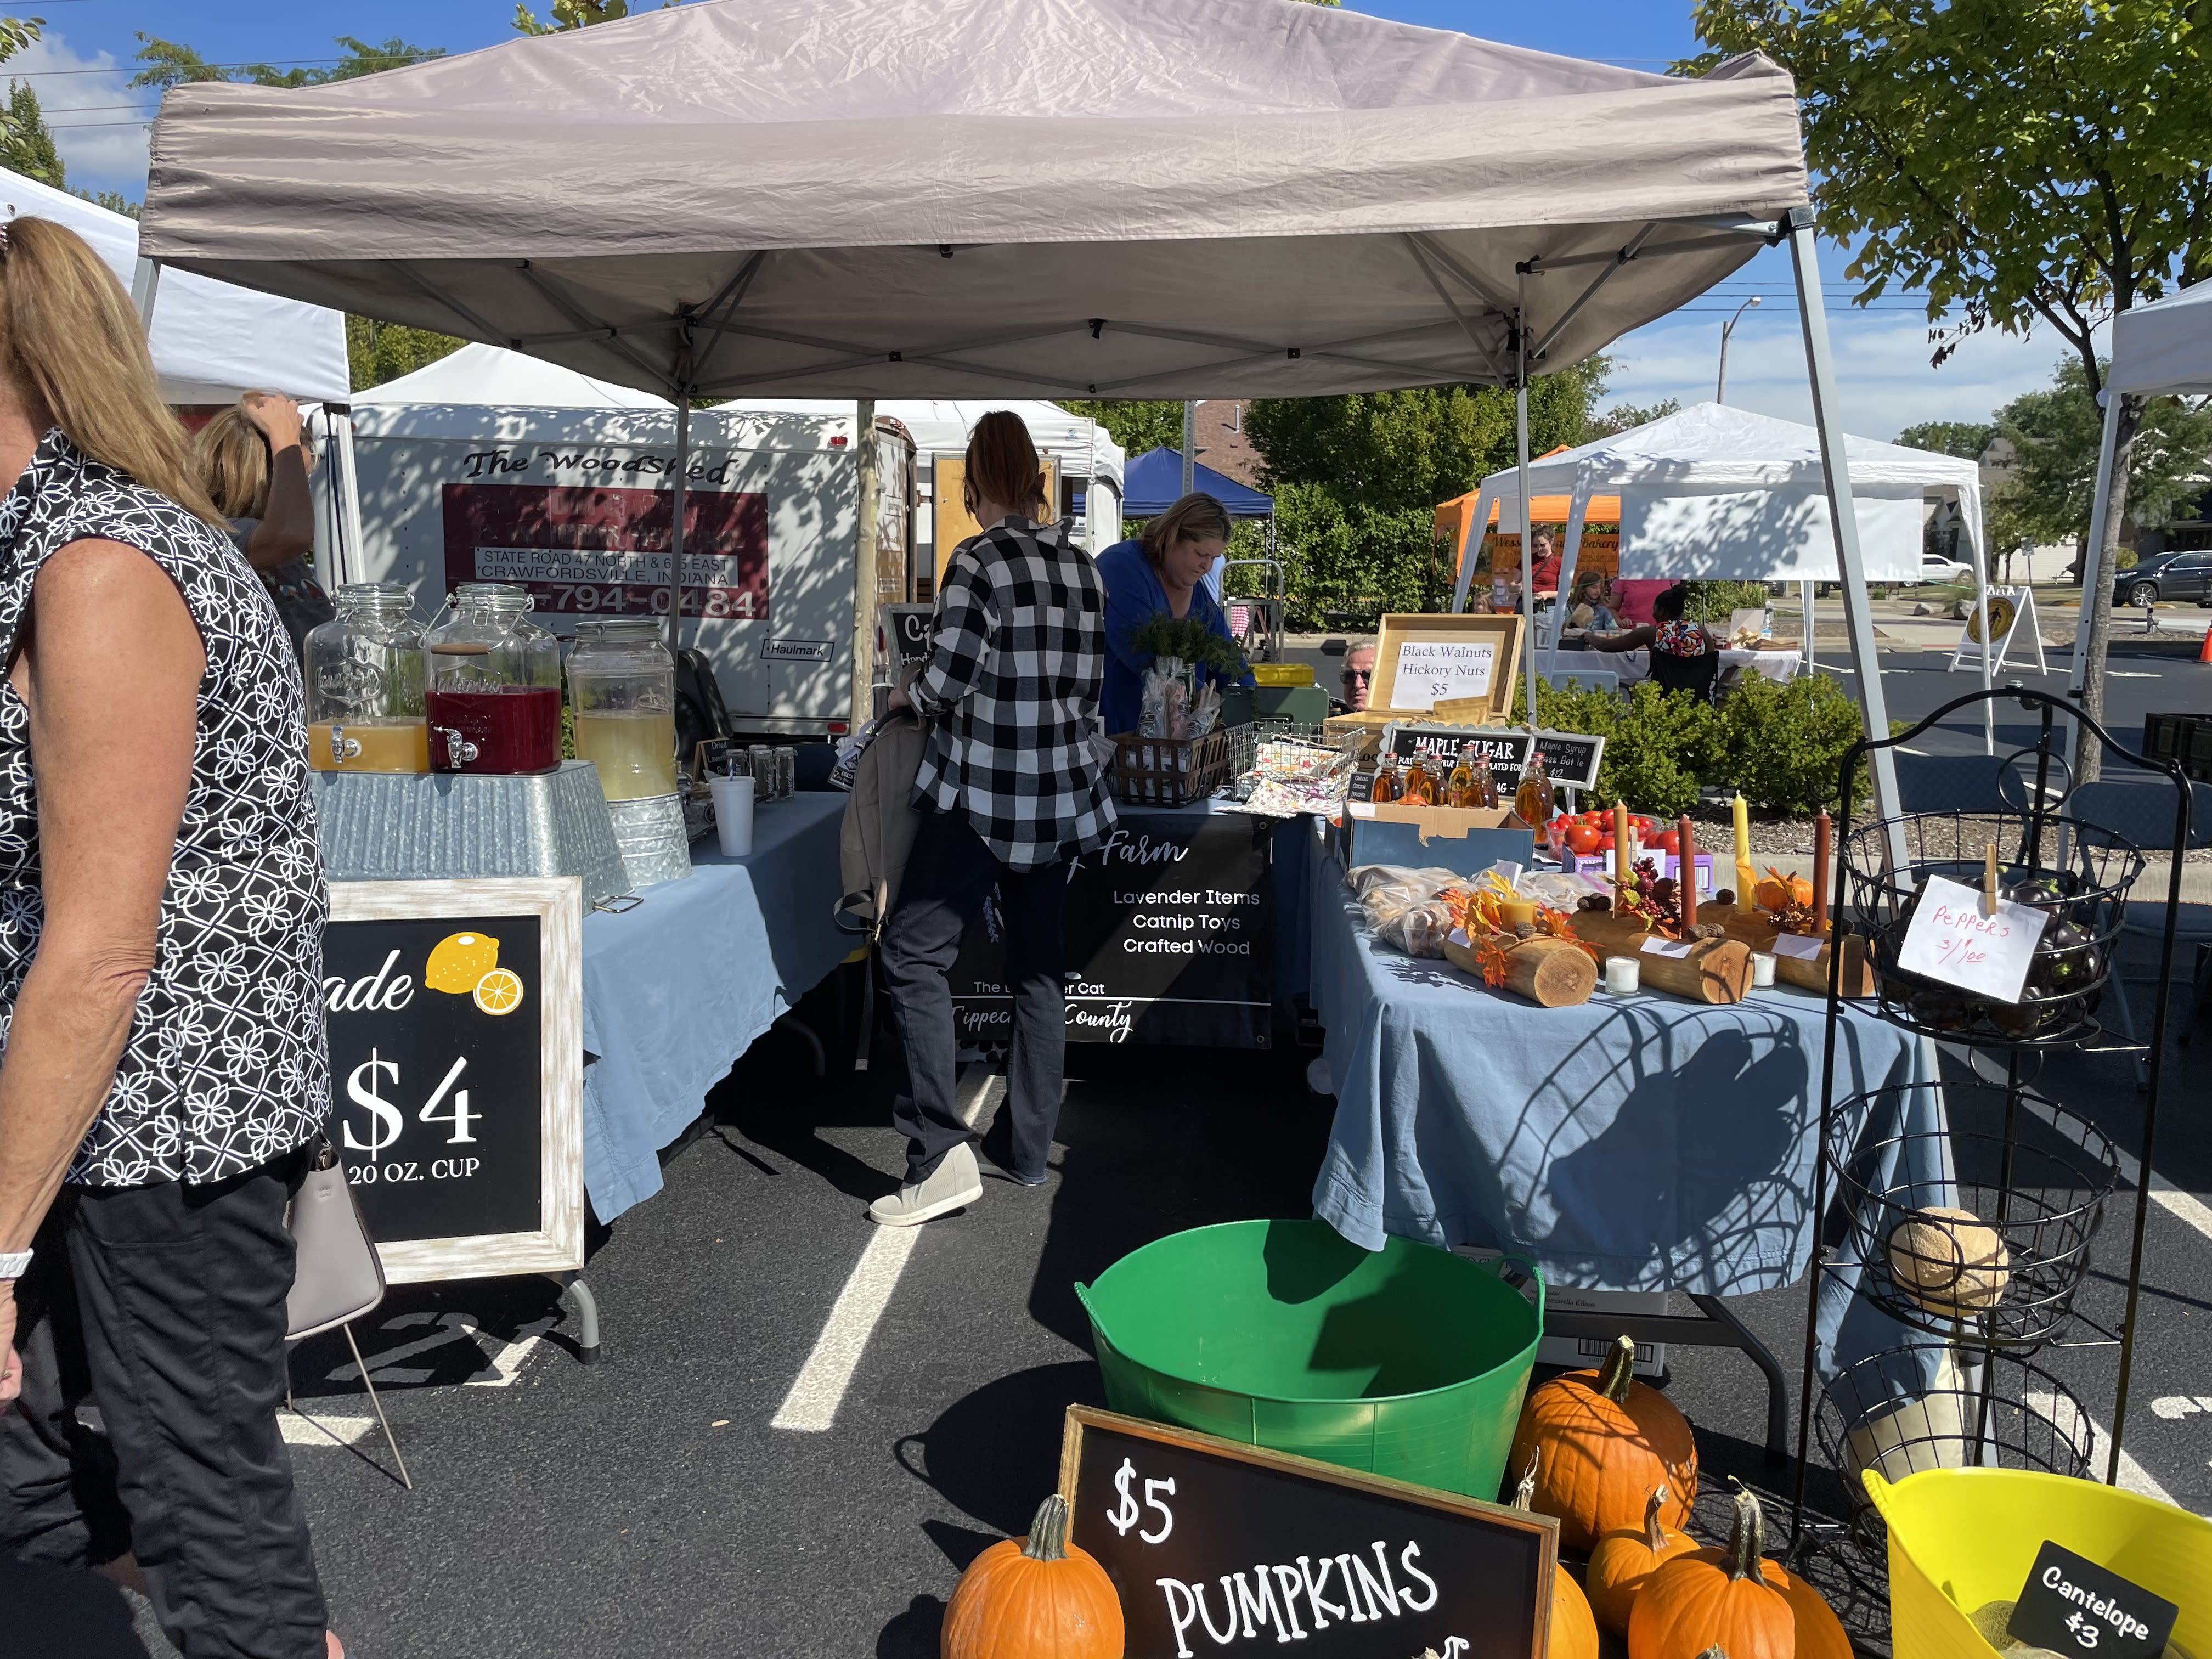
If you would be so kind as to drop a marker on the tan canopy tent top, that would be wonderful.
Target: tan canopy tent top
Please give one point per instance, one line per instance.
(983, 198)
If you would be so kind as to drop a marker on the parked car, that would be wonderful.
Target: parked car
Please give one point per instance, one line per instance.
(1936, 568)
(2175, 575)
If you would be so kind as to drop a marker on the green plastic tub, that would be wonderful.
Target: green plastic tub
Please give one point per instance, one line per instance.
(1409, 1361)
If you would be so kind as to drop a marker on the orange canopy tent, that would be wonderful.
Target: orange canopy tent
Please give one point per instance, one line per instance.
(1455, 519)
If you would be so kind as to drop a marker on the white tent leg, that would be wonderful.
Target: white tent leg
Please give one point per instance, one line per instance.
(1982, 609)
(676, 521)
(1471, 548)
(1807, 593)
(145, 286)
(1189, 447)
(2093, 562)
(1520, 461)
(1570, 556)
(1843, 513)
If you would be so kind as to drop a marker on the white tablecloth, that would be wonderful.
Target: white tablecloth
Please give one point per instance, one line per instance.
(1634, 666)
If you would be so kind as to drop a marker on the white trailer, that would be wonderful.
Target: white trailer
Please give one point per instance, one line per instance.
(574, 503)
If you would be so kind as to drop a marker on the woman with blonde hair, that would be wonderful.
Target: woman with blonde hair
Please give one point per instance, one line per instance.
(1011, 794)
(1162, 570)
(164, 1074)
(254, 459)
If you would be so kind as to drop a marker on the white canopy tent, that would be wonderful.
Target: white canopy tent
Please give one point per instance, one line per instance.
(824, 197)
(211, 340)
(2160, 349)
(492, 377)
(1715, 492)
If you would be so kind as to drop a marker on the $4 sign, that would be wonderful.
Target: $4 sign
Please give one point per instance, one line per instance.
(386, 1120)
(1127, 1511)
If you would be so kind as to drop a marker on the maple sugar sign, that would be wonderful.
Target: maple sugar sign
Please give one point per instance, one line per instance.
(591, 551)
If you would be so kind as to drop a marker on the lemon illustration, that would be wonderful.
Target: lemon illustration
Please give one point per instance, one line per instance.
(459, 960)
(499, 992)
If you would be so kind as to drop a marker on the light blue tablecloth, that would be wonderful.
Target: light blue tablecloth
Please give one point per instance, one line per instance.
(676, 989)
(1631, 1143)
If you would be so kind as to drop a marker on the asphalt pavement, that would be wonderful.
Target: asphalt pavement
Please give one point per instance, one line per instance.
(652, 1505)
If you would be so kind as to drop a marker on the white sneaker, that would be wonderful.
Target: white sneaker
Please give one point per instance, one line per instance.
(953, 1183)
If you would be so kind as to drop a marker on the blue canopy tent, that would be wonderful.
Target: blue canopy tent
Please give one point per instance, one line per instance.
(1152, 481)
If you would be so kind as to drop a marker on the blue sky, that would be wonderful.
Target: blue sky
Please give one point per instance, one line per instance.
(83, 68)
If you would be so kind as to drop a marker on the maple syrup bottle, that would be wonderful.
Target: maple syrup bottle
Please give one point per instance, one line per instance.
(1485, 781)
(1418, 788)
(1532, 802)
(1461, 788)
(1386, 780)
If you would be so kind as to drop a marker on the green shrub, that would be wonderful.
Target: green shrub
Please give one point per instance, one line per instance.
(1659, 749)
(1711, 602)
(2127, 560)
(1781, 743)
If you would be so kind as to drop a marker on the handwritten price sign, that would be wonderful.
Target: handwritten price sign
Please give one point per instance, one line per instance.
(1952, 942)
(1431, 672)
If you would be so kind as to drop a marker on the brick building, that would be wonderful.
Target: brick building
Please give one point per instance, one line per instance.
(1222, 443)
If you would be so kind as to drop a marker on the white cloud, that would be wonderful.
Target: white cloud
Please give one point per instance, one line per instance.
(94, 111)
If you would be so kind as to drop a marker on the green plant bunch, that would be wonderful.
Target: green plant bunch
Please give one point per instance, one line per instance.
(1190, 640)
(1781, 744)
(1711, 602)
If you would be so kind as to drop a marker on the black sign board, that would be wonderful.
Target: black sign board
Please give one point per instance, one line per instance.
(454, 1010)
(903, 631)
(2071, 1605)
(1213, 1546)
(1169, 939)
(1571, 758)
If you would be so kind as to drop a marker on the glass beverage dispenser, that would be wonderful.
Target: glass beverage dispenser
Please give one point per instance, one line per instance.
(365, 684)
(622, 690)
(494, 695)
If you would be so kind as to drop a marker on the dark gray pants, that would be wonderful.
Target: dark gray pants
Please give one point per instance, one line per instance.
(163, 1307)
(949, 878)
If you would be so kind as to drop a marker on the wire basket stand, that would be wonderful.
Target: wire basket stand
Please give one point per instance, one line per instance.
(1981, 1266)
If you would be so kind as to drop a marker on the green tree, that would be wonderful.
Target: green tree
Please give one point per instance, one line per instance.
(27, 146)
(165, 64)
(1140, 425)
(377, 352)
(1966, 439)
(1623, 416)
(573, 15)
(2055, 433)
(113, 200)
(2023, 162)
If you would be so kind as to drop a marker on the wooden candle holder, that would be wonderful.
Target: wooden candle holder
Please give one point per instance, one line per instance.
(1717, 971)
(1806, 974)
(1551, 973)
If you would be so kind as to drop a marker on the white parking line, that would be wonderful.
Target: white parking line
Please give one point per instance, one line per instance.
(300, 1430)
(2183, 1206)
(2133, 1476)
(811, 1406)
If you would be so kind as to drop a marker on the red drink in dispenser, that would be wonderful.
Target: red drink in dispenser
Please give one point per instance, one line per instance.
(511, 729)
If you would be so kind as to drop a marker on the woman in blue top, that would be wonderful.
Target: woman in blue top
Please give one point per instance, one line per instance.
(1162, 570)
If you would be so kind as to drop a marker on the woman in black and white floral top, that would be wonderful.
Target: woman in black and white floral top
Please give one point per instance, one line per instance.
(161, 907)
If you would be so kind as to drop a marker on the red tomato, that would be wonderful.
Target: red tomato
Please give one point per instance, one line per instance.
(1583, 838)
(1670, 841)
(1605, 844)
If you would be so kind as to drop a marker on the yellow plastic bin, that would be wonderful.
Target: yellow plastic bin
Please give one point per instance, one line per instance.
(1961, 1538)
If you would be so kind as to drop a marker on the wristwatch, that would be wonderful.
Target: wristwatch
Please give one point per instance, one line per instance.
(14, 1264)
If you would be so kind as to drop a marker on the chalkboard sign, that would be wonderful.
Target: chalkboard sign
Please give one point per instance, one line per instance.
(1571, 758)
(1211, 1545)
(2071, 1605)
(455, 1014)
(1169, 939)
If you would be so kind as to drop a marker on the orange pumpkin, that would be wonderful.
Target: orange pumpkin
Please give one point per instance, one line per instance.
(1628, 1556)
(1041, 1598)
(1820, 1634)
(1607, 1440)
(1713, 1598)
(1779, 892)
(1573, 1628)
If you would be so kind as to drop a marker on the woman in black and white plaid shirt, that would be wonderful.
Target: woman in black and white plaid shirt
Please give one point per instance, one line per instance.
(1011, 792)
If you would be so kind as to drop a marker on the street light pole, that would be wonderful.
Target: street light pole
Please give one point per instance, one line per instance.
(1720, 391)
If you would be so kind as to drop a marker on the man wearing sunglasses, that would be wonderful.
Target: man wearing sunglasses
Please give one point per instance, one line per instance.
(1358, 677)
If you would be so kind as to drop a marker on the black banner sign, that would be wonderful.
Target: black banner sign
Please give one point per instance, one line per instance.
(457, 1105)
(1570, 757)
(1169, 939)
(1214, 1547)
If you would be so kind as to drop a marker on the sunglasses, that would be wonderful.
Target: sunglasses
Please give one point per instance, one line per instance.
(1359, 673)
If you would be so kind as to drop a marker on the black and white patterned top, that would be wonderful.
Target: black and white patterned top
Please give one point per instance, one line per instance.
(226, 1065)
(1011, 694)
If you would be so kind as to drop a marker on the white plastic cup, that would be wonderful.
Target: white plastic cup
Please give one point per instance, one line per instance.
(1762, 968)
(733, 814)
(1623, 975)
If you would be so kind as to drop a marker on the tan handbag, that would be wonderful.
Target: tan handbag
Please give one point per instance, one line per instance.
(337, 1276)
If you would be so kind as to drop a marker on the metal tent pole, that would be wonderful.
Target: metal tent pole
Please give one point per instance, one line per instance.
(145, 287)
(1808, 594)
(675, 521)
(1190, 445)
(865, 600)
(2092, 567)
(1520, 464)
(1989, 644)
(1843, 511)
